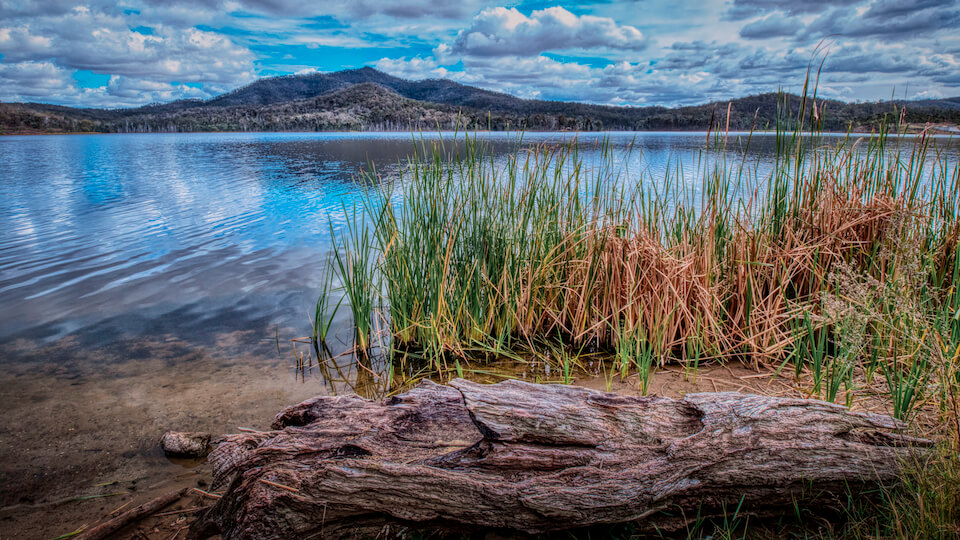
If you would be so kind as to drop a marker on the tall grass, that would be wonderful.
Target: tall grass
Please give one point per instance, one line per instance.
(843, 260)
(839, 254)
(355, 264)
(325, 309)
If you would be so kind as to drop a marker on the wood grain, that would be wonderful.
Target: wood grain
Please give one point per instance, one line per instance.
(539, 458)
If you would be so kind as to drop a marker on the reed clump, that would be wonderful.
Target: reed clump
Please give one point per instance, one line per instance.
(840, 260)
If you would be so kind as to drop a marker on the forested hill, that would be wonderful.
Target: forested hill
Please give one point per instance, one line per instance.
(366, 99)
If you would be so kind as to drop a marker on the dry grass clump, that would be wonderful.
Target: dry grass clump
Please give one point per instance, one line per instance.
(841, 260)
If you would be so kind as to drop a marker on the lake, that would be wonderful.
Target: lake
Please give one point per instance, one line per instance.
(154, 282)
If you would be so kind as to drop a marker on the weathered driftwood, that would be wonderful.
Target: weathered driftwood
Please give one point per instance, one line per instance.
(538, 458)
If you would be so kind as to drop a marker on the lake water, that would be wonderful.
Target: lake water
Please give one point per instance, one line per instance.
(108, 237)
(153, 282)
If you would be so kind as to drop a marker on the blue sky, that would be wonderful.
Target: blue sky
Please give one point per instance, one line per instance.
(109, 54)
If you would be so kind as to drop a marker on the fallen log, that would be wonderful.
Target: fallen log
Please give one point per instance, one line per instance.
(539, 458)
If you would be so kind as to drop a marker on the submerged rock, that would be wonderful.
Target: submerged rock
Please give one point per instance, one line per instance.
(180, 444)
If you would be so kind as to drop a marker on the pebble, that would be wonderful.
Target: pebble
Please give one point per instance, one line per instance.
(180, 444)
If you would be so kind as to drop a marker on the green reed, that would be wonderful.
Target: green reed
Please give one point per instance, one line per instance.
(325, 310)
(355, 264)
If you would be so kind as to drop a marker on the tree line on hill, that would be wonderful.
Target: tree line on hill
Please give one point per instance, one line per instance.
(368, 100)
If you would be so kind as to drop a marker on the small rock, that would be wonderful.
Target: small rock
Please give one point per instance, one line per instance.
(179, 444)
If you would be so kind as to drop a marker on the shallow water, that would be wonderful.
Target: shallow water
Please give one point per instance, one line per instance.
(153, 282)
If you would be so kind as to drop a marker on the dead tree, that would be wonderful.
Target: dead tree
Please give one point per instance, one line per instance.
(538, 458)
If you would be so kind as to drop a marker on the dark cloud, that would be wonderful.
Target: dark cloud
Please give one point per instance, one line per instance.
(855, 59)
(848, 23)
(771, 26)
(697, 55)
(745, 9)
(359, 9)
(417, 8)
(32, 8)
(208, 4)
(767, 62)
(881, 9)
(952, 79)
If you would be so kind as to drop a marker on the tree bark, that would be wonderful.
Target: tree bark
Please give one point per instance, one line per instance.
(539, 458)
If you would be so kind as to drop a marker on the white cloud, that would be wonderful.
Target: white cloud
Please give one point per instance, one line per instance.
(415, 68)
(106, 44)
(37, 81)
(928, 94)
(18, 44)
(139, 91)
(31, 79)
(508, 32)
(42, 50)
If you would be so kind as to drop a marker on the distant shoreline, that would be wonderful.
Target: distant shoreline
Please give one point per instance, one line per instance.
(937, 131)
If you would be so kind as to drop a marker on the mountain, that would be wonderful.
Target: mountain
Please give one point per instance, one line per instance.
(294, 87)
(364, 106)
(367, 99)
